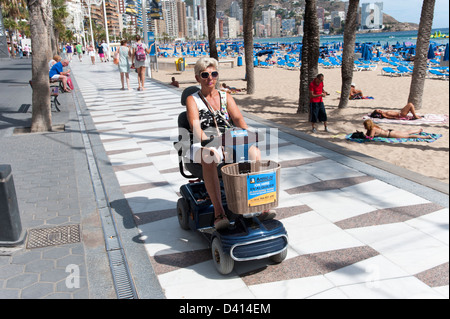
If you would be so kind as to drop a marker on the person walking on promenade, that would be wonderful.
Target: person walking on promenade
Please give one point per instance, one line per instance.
(139, 57)
(79, 49)
(101, 53)
(317, 108)
(124, 64)
(26, 50)
(91, 52)
(69, 52)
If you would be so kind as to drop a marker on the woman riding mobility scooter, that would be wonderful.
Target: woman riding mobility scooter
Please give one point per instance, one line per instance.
(247, 189)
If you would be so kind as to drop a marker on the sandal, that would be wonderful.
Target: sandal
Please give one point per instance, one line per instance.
(266, 215)
(221, 222)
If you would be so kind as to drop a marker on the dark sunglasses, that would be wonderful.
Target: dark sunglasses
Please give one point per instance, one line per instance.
(205, 75)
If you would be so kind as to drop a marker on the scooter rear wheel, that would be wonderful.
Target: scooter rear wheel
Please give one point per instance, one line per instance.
(223, 262)
(183, 213)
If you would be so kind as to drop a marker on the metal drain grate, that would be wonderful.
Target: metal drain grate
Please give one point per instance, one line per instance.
(52, 236)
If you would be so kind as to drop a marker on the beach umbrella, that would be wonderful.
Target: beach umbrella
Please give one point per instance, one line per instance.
(430, 52)
(369, 54)
(446, 53)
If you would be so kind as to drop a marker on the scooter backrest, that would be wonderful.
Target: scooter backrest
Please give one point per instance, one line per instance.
(188, 91)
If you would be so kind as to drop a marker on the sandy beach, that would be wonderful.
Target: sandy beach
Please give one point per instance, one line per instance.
(276, 99)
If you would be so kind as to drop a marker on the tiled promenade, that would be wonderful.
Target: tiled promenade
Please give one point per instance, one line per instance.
(353, 231)
(357, 227)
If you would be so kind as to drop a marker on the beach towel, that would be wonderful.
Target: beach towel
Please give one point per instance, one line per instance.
(426, 119)
(395, 140)
(362, 98)
(359, 97)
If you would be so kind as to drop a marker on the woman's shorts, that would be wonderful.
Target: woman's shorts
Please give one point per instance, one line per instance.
(317, 112)
(102, 55)
(196, 147)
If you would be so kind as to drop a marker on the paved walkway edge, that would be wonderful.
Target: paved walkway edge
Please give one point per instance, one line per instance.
(146, 284)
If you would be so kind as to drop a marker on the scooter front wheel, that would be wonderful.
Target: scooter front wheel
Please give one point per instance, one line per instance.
(223, 262)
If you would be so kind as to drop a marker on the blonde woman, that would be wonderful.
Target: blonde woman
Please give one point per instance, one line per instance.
(374, 130)
(201, 108)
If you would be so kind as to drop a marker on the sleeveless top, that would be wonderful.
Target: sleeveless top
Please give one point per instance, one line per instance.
(207, 118)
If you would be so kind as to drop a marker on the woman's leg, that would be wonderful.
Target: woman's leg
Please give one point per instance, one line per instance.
(409, 108)
(122, 80)
(210, 160)
(139, 78)
(142, 77)
(408, 134)
(127, 75)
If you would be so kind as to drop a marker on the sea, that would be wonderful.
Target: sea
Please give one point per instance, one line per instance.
(408, 37)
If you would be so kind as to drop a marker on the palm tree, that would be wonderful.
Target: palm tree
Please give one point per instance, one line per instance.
(420, 60)
(211, 20)
(40, 16)
(348, 54)
(59, 18)
(248, 6)
(13, 10)
(310, 54)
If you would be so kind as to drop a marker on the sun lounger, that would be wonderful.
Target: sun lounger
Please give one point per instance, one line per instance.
(264, 64)
(366, 67)
(281, 63)
(291, 66)
(327, 64)
(395, 59)
(438, 74)
(405, 70)
(391, 72)
(384, 60)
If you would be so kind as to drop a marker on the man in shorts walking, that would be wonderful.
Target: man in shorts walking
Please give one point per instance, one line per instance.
(316, 106)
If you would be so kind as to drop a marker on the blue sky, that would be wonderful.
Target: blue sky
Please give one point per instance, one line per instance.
(409, 11)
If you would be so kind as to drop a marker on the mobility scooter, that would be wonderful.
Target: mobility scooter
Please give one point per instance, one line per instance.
(247, 188)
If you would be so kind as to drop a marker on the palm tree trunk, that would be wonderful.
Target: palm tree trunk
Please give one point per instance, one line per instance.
(41, 119)
(211, 20)
(310, 55)
(348, 54)
(420, 60)
(248, 6)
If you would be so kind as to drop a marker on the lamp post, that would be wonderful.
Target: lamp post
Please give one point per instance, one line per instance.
(106, 29)
(97, 3)
(145, 25)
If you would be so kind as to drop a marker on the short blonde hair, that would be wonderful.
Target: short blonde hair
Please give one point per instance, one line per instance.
(204, 63)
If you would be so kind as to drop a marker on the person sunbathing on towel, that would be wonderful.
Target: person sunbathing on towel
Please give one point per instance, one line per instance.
(354, 93)
(374, 130)
(230, 89)
(402, 115)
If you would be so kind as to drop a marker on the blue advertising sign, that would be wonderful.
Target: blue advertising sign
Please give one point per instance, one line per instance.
(151, 40)
(261, 189)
